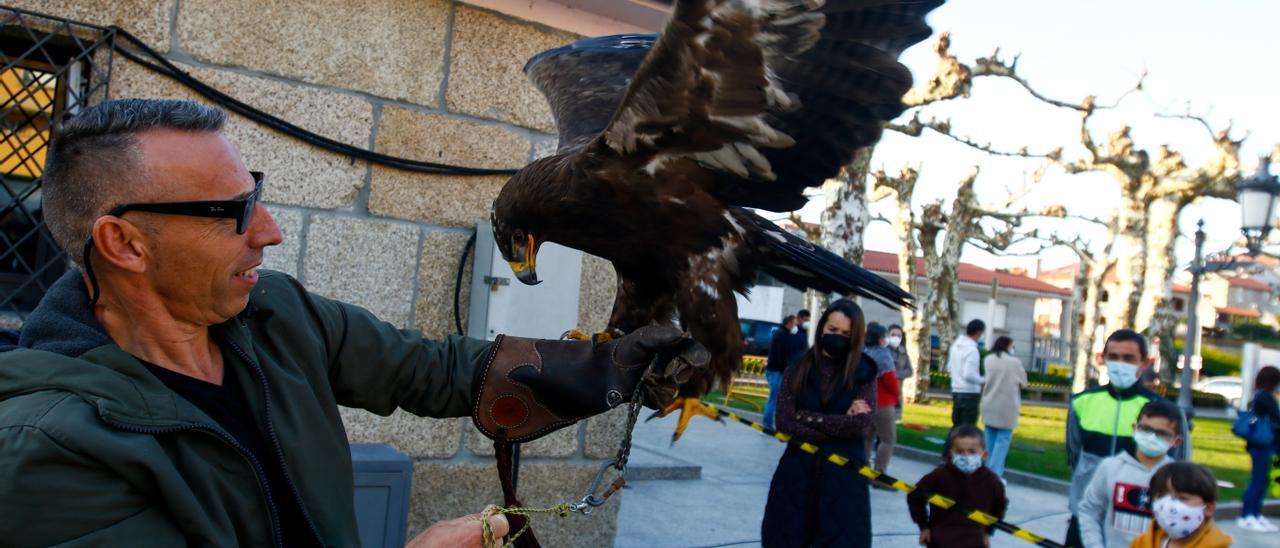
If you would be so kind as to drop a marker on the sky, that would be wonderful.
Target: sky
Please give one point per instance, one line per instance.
(1216, 59)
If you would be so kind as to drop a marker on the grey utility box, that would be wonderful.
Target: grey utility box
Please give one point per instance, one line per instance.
(382, 481)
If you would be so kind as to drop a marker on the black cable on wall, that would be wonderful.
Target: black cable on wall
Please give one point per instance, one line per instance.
(164, 67)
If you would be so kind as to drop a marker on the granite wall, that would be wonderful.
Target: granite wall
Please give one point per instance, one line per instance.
(432, 80)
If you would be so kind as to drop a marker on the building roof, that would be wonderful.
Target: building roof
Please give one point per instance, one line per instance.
(878, 261)
(1249, 283)
(1184, 289)
(1237, 311)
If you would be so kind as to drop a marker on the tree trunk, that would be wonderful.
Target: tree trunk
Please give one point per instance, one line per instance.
(847, 214)
(1131, 262)
(1079, 287)
(1162, 235)
(1088, 330)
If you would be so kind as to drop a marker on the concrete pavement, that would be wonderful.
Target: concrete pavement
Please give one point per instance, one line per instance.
(725, 505)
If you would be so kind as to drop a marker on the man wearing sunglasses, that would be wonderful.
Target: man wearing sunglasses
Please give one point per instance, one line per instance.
(168, 392)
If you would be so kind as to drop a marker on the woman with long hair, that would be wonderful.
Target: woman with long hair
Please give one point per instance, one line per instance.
(828, 399)
(1263, 404)
(1002, 401)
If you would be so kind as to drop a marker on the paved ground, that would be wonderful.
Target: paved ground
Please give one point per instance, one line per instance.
(725, 506)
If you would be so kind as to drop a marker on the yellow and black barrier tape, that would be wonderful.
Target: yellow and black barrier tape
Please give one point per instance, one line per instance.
(940, 501)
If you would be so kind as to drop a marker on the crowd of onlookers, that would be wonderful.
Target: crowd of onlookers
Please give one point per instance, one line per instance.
(1132, 483)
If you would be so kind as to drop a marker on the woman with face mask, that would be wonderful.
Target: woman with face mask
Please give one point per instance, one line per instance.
(1263, 404)
(897, 343)
(828, 399)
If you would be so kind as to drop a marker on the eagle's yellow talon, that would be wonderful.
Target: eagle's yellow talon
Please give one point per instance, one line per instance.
(575, 335)
(689, 408)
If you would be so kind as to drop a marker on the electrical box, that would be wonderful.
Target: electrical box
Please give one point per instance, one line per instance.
(501, 304)
(382, 480)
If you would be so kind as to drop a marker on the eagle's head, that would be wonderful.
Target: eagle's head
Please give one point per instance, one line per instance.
(517, 219)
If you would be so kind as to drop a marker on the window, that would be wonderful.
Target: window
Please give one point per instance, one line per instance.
(1178, 304)
(49, 69)
(979, 310)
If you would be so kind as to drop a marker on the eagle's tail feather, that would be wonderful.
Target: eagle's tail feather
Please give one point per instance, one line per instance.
(801, 264)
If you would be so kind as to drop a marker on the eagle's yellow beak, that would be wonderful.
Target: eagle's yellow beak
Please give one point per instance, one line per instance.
(525, 260)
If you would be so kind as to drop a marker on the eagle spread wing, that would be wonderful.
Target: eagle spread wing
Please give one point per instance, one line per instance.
(665, 141)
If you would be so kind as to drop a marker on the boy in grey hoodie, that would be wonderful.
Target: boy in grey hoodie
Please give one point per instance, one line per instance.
(1116, 506)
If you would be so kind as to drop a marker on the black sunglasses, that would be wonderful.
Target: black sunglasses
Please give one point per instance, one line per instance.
(241, 210)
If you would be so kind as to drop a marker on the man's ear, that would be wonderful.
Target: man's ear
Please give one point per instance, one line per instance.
(1099, 359)
(1148, 363)
(1177, 440)
(1209, 507)
(119, 243)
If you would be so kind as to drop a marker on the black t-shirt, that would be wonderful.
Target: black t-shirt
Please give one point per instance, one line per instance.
(228, 406)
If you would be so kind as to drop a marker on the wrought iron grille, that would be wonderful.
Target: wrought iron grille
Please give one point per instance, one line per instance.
(52, 68)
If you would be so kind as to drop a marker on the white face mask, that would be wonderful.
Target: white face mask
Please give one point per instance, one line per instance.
(894, 341)
(1150, 444)
(1177, 518)
(794, 330)
(805, 324)
(1122, 374)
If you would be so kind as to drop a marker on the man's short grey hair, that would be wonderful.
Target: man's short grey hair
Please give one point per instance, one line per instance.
(94, 164)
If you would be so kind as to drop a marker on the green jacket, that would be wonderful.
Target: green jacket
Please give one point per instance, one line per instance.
(94, 450)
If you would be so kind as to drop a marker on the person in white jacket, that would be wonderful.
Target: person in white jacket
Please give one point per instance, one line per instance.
(1116, 506)
(964, 365)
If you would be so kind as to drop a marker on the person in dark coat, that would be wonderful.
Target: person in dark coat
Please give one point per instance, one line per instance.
(964, 479)
(776, 364)
(827, 399)
(1263, 404)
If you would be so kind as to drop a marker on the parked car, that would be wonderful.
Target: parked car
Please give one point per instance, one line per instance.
(756, 336)
(1230, 388)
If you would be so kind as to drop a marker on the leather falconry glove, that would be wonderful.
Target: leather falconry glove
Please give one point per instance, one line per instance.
(532, 387)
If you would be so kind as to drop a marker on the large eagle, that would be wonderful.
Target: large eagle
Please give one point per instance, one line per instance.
(666, 141)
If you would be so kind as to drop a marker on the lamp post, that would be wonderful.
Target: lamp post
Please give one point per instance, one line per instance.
(1259, 198)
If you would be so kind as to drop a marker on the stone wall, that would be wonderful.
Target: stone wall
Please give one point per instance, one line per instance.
(432, 80)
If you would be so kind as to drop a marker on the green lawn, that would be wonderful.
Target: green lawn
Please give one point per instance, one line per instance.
(1039, 443)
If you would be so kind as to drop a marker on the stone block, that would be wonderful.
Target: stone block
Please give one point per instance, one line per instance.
(437, 276)
(146, 19)
(444, 200)
(597, 291)
(450, 140)
(561, 443)
(418, 437)
(387, 48)
(604, 433)
(486, 68)
(297, 173)
(444, 491)
(363, 262)
(284, 257)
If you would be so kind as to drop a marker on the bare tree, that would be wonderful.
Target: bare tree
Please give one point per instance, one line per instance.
(939, 235)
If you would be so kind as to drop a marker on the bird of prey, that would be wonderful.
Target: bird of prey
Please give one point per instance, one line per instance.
(666, 141)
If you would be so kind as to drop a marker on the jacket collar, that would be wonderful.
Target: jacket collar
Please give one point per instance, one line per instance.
(63, 347)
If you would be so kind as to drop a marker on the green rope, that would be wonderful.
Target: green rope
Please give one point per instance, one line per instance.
(490, 539)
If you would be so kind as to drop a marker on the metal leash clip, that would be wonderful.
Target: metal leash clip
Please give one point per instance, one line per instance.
(590, 500)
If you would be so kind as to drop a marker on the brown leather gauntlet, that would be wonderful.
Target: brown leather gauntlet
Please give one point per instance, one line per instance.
(532, 387)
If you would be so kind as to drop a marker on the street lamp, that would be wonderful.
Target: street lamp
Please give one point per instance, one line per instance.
(1259, 198)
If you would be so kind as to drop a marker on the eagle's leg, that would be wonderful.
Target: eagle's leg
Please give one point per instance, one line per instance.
(576, 335)
(690, 407)
(709, 311)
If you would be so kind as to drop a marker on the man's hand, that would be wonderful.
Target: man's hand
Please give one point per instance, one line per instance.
(925, 537)
(859, 407)
(464, 531)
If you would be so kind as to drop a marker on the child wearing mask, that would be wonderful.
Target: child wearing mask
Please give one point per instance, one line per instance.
(965, 480)
(1183, 498)
(1116, 506)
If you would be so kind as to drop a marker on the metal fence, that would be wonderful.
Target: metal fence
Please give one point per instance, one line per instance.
(52, 68)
